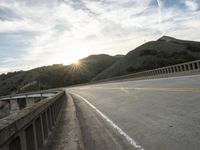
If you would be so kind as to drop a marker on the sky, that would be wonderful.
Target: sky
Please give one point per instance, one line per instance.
(35, 33)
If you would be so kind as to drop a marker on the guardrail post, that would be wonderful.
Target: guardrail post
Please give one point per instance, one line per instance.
(172, 69)
(198, 65)
(26, 99)
(30, 138)
(40, 96)
(191, 66)
(45, 125)
(182, 68)
(49, 119)
(195, 66)
(154, 72)
(186, 68)
(15, 144)
(14, 105)
(39, 132)
(52, 115)
(168, 70)
(179, 68)
(23, 140)
(164, 71)
(175, 69)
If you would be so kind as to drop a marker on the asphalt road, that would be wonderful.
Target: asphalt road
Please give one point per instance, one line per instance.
(158, 114)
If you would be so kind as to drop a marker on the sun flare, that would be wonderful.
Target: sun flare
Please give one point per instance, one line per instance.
(76, 62)
(74, 56)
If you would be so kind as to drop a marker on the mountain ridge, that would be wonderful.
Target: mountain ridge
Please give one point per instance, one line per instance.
(153, 54)
(56, 75)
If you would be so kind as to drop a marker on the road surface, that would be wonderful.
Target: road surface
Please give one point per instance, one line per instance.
(156, 114)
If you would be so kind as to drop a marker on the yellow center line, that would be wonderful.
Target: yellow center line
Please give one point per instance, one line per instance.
(195, 90)
(161, 89)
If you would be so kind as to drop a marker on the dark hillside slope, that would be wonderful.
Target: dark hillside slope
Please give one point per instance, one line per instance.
(163, 52)
(56, 75)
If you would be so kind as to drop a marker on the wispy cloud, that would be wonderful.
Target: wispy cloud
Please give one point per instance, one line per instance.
(42, 32)
(192, 4)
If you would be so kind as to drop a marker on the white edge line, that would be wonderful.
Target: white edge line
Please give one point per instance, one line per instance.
(120, 131)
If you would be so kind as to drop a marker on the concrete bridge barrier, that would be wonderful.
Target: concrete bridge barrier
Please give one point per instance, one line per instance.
(32, 127)
(192, 67)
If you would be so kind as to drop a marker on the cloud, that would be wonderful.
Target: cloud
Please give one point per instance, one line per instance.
(7, 14)
(3, 70)
(192, 4)
(42, 32)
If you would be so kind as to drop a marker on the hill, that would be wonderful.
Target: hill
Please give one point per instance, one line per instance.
(163, 52)
(56, 75)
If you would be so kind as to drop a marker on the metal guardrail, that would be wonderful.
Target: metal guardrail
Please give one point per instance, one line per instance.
(31, 128)
(188, 67)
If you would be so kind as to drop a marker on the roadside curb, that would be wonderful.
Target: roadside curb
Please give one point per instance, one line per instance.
(76, 141)
(68, 134)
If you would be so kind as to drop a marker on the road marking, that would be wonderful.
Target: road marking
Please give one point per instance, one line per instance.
(120, 131)
(194, 90)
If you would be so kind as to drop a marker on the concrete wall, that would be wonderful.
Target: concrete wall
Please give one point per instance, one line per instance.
(31, 127)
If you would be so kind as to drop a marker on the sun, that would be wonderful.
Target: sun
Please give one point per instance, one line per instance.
(71, 60)
(76, 62)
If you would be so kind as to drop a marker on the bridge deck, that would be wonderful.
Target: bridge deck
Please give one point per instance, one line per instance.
(80, 127)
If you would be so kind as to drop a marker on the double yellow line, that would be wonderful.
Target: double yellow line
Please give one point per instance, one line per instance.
(194, 90)
(161, 89)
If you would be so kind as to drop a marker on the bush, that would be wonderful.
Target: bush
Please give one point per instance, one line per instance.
(147, 52)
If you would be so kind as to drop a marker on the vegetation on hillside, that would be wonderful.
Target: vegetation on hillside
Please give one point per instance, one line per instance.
(163, 52)
(55, 76)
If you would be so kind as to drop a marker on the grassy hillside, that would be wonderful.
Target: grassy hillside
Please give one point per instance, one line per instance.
(163, 52)
(56, 75)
